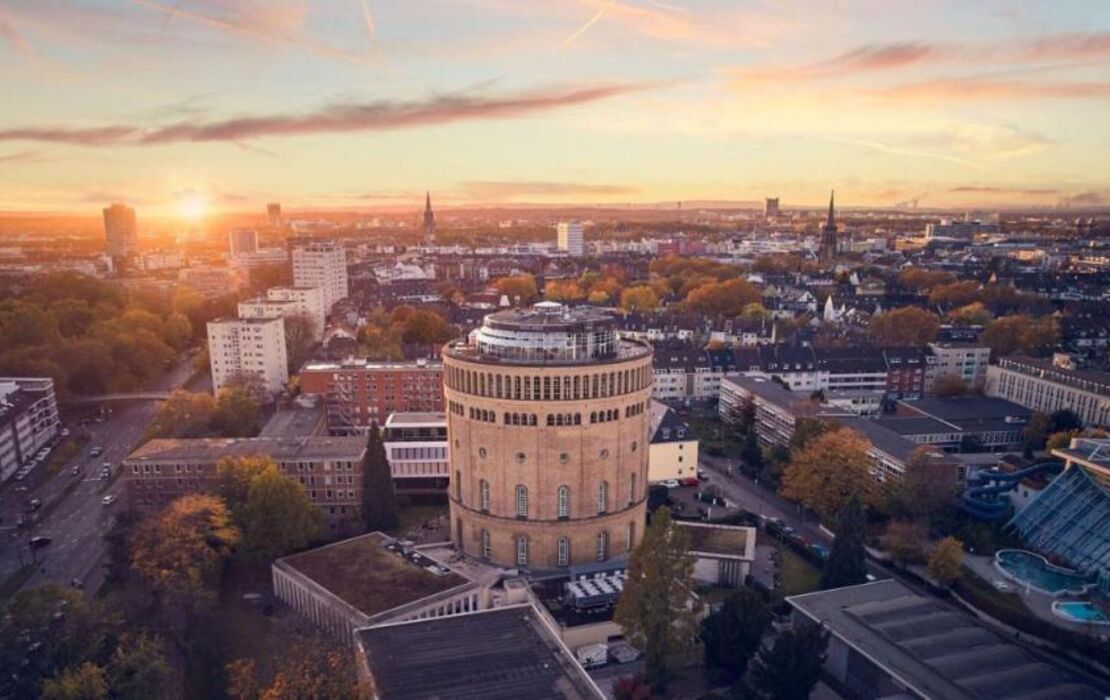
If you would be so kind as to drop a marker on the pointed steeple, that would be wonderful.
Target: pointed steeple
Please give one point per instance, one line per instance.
(429, 220)
(830, 223)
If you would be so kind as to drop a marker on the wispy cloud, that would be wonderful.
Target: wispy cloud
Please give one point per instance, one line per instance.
(19, 156)
(594, 19)
(259, 24)
(510, 191)
(989, 88)
(336, 118)
(887, 56)
(992, 190)
(890, 149)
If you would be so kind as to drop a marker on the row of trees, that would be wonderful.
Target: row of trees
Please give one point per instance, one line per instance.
(88, 335)
(385, 334)
(235, 411)
(914, 326)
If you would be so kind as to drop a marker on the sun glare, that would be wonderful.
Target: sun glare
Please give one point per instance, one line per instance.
(192, 206)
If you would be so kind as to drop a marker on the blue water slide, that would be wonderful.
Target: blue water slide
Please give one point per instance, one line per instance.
(982, 499)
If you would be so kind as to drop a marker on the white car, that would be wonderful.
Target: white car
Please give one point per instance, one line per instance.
(671, 483)
(108, 500)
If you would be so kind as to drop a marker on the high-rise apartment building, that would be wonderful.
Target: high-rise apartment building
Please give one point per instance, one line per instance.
(120, 231)
(242, 241)
(547, 422)
(306, 300)
(570, 237)
(322, 265)
(771, 208)
(28, 420)
(248, 346)
(273, 214)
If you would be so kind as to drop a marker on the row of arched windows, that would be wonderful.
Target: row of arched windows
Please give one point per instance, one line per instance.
(562, 546)
(604, 416)
(561, 419)
(552, 419)
(562, 497)
(482, 415)
(548, 388)
(528, 419)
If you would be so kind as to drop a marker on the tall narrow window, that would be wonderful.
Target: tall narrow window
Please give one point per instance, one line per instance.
(521, 550)
(458, 533)
(602, 545)
(458, 487)
(483, 496)
(521, 502)
(563, 552)
(603, 497)
(631, 535)
(632, 487)
(485, 544)
(563, 502)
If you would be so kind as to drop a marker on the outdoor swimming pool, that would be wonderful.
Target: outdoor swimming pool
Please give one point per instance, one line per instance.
(1033, 570)
(1079, 611)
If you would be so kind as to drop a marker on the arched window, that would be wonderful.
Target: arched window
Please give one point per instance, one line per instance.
(508, 418)
(562, 502)
(521, 502)
(484, 551)
(483, 496)
(578, 419)
(521, 550)
(532, 419)
(603, 497)
(563, 552)
(550, 419)
(593, 416)
(602, 545)
(458, 487)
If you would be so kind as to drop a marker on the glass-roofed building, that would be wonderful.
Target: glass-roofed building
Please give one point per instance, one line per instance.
(1070, 519)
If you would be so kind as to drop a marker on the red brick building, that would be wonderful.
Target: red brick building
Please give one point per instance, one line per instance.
(357, 393)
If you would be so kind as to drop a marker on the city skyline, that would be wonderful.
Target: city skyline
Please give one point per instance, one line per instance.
(227, 106)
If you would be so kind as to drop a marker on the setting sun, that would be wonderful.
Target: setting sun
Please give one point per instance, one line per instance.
(192, 206)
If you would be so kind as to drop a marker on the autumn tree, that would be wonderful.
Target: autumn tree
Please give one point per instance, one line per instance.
(138, 667)
(904, 541)
(278, 517)
(237, 413)
(300, 340)
(927, 486)
(379, 500)
(906, 326)
(657, 608)
(640, 298)
(974, 314)
(921, 280)
(184, 414)
(806, 430)
(234, 476)
(731, 634)
(562, 291)
(1035, 433)
(954, 293)
(847, 562)
(829, 471)
(85, 682)
(1021, 334)
(791, 667)
(520, 289)
(946, 561)
(950, 385)
(180, 550)
(728, 298)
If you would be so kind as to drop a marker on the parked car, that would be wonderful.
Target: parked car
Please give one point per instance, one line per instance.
(96, 451)
(34, 504)
(108, 500)
(820, 550)
(76, 470)
(39, 542)
(702, 476)
(671, 483)
(689, 481)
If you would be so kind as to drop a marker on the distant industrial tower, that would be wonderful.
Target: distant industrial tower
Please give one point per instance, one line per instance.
(120, 232)
(827, 249)
(570, 237)
(429, 221)
(771, 208)
(273, 213)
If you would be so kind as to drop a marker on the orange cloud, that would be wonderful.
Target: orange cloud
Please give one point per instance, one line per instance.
(338, 118)
(981, 88)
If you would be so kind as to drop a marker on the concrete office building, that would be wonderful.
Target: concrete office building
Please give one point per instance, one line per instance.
(121, 232)
(306, 300)
(416, 447)
(965, 361)
(1048, 386)
(548, 427)
(248, 346)
(330, 469)
(322, 265)
(570, 237)
(273, 214)
(771, 208)
(28, 420)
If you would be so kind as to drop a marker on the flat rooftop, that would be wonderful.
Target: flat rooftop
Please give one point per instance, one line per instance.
(501, 654)
(280, 448)
(725, 540)
(934, 649)
(295, 422)
(369, 577)
(416, 420)
(359, 363)
(967, 408)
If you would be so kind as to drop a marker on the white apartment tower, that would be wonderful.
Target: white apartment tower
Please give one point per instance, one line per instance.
(244, 346)
(306, 300)
(322, 265)
(570, 237)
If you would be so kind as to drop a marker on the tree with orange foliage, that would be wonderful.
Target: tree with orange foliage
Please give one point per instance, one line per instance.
(726, 298)
(955, 293)
(640, 298)
(908, 325)
(1021, 334)
(920, 280)
(519, 288)
(829, 471)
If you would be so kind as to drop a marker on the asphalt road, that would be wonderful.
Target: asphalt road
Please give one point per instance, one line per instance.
(74, 517)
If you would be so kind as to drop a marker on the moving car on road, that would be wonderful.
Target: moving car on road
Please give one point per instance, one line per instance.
(108, 500)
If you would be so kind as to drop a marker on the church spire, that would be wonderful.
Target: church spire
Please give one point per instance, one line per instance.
(830, 223)
(429, 220)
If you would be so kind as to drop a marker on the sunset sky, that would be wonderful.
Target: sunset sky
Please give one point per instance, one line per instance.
(358, 103)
